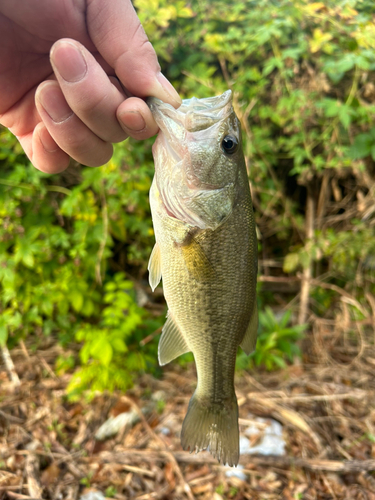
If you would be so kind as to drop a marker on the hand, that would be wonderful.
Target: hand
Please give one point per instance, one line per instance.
(72, 75)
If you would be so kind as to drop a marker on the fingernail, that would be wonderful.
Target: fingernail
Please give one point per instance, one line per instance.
(169, 90)
(69, 61)
(47, 142)
(133, 120)
(54, 103)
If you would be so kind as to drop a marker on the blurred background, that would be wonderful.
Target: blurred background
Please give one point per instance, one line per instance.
(74, 247)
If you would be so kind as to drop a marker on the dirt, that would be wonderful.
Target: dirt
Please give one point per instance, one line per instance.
(325, 404)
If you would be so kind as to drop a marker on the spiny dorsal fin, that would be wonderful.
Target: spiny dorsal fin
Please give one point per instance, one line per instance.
(154, 267)
(172, 343)
(196, 261)
(250, 339)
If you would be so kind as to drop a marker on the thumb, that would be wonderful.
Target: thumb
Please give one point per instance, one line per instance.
(118, 35)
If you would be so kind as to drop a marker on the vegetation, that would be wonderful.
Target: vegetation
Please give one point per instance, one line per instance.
(74, 246)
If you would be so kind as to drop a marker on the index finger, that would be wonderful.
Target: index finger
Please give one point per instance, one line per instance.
(118, 35)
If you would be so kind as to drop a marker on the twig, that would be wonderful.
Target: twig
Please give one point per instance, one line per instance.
(138, 470)
(302, 398)
(24, 350)
(9, 365)
(150, 455)
(103, 241)
(279, 279)
(47, 368)
(18, 496)
(247, 421)
(307, 272)
(11, 418)
(150, 337)
(167, 453)
(32, 469)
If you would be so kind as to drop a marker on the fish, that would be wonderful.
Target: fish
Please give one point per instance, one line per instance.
(206, 255)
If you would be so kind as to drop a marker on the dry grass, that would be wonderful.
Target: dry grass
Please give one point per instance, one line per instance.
(326, 404)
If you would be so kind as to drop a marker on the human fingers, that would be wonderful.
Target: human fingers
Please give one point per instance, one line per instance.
(136, 118)
(88, 91)
(46, 154)
(67, 130)
(117, 33)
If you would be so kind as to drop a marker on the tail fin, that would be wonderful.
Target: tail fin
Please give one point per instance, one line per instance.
(213, 426)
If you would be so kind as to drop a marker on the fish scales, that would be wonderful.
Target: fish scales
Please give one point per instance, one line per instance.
(206, 253)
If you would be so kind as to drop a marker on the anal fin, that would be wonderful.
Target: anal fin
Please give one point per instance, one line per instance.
(172, 343)
(250, 339)
(154, 267)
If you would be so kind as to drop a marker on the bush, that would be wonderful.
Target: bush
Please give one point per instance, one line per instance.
(304, 90)
(277, 341)
(59, 236)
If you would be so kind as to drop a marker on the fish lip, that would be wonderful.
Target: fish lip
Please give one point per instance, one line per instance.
(208, 106)
(193, 112)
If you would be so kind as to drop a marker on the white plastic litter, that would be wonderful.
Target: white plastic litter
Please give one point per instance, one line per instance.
(236, 472)
(114, 424)
(92, 495)
(165, 431)
(272, 442)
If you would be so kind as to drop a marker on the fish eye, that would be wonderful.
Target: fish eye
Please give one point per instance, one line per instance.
(229, 144)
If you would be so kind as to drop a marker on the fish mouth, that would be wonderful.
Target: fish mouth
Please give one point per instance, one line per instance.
(193, 114)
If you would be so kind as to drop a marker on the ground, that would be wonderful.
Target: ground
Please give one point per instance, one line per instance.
(325, 404)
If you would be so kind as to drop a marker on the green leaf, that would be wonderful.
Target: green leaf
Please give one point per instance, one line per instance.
(76, 299)
(278, 361)
(361, 146)
(3, 335)
(119, 345)
(106, 354)
(291, 262)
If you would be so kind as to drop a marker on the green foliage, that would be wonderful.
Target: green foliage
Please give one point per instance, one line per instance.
(302, 73)
(277, 342)
(56, 246)
(105, 344)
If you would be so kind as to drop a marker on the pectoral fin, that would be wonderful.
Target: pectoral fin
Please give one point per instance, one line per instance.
(172, 343)
(250, 339)
(196, 261)
(154, 267)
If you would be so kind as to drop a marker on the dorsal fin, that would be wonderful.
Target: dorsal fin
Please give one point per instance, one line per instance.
(172, 343)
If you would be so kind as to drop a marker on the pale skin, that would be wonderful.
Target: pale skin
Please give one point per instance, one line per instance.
(72, 77)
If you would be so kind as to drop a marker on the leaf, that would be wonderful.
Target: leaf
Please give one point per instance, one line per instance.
(3, 334)
(88, 308)
(291, 262)
(345, 115)
(314, 7)
(76, 300)
(285, 319)
(319, 40)
(119, 345)
(278, 361)
(101, 349)
(28, 259)
(106, 354)
(361, 146)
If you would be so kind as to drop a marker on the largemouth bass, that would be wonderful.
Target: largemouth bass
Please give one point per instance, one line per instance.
(206, 252)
